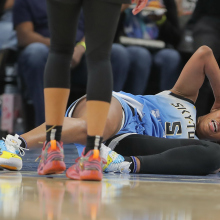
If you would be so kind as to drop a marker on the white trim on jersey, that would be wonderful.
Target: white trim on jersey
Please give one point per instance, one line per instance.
(132, 102)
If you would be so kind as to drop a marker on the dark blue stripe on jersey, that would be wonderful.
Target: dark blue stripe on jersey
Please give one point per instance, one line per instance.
(183, 98)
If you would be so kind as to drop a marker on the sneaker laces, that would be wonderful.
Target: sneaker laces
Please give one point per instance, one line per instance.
(116, 163)
(38, 158)
(13, 146)
(45, 145)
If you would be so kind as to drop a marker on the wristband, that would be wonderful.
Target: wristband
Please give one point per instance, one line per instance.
(162, 20)
(82, 43)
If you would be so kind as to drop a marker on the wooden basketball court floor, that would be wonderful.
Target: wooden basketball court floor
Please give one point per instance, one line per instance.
(25, 195)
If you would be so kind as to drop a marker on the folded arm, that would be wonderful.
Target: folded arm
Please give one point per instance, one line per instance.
(26, 35)
(201, 64)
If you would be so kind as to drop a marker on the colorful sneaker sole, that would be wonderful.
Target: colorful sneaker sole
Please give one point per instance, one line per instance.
(93, 175)
(87, 167)
(8, 167)
(11, 163)
(54, 167)
(71, 174)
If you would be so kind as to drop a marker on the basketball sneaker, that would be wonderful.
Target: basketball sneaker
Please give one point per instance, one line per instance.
(87, 167)
(52, 158)
(9, 150)
(114, 161)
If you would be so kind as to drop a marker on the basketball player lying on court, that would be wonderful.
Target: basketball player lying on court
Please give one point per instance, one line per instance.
(169, 114)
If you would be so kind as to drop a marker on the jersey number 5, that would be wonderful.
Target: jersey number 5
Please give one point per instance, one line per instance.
(170, 129)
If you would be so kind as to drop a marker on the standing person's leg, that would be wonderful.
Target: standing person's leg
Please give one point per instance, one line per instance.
(120, 66)
(63, 18)
(168, 63)
(101, 19)
(139, 71)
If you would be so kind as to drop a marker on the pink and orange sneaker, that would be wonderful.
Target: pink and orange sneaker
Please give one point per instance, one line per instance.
(52, 158)
(87, 167)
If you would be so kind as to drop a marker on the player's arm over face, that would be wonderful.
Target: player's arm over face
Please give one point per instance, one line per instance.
(193, 74)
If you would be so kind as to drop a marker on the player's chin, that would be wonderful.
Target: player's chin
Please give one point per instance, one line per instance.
(213, 138)
(206, 134)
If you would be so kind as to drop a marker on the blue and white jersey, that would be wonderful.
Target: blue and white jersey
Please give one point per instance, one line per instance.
(163, 115)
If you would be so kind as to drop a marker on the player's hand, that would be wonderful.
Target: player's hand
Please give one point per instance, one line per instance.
(79, 50)
(140, 5)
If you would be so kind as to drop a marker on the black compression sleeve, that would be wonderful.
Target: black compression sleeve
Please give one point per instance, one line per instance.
(101, 19)
(136, 144)
(187, 160)
(171, 156)
(62, 21)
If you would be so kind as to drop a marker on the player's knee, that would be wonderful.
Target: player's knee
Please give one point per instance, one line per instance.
(62, 48)
(204, 51)
(98, 55)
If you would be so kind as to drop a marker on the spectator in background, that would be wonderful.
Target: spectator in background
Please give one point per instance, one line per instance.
(7, 34)
(126, 61)
(30, 22)
(2, 7)
(166, 62)
(205, 24)
(134, 78)
(31, 25)
(205, 27)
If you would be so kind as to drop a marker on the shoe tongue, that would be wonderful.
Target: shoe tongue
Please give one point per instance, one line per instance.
(14, 140)
(11, 143)
(104, 151)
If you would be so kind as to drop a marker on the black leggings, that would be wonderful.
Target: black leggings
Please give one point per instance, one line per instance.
(101, 20)
(171, 156)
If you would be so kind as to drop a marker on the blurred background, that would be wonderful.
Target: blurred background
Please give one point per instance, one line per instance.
(148, 54)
